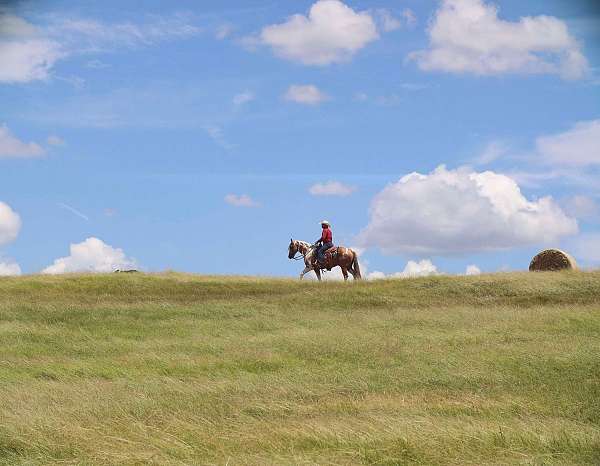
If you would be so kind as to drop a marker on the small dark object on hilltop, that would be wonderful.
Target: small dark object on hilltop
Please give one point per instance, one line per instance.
(552, 259)
(126, 271)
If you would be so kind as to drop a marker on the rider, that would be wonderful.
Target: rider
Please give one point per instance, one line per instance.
(325, 241)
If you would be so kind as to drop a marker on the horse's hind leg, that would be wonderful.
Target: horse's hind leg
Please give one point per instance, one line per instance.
(344, 273)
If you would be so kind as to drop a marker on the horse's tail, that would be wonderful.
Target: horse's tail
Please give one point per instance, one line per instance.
(356, 267)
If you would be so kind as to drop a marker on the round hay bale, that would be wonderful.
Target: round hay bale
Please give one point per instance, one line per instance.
(552, 259)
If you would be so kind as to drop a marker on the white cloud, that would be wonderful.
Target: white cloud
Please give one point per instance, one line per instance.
(493, 151)
(305, 94)
(459, 211)
(414, 86)
(8, 268)
(579, 146)
(571, 157)
(25, 53)
(10, 146)
(423, 268)
(216, 134)
(223, 31)
(92, 35)
(13, 26)
(243, 98)
(331, 188)
(331, 33)
(10, 224)
(27, 60)
(376, 275)
(389, 100)
(409, 17)
(472, 270)
(54, 140)
(242, 200)
(91, 255)
(388, 21)
(96, 65)
(466, 36)
(28, 53)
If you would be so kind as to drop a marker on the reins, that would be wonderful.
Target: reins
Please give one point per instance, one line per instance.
(303, 255)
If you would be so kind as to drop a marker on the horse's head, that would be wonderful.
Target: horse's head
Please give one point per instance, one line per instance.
(292, 249)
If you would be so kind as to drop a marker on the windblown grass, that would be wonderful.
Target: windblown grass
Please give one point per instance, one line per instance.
(181, 369)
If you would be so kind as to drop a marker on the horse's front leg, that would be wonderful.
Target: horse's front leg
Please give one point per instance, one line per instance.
(305, 271)
(318, 273)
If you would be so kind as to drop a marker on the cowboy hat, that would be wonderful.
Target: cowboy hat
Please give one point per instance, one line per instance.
(324, 222)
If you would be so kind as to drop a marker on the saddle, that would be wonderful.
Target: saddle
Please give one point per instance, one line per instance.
(330, 254)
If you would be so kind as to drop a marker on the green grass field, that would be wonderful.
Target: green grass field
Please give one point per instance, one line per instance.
(181, 369)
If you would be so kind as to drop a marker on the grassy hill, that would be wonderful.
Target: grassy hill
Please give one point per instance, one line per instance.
(181, 369)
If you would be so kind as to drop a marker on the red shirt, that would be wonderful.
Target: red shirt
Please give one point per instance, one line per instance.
(326, 236)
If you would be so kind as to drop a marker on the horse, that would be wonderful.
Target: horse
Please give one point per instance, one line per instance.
(346, 259)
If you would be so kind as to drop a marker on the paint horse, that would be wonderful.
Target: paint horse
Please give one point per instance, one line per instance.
(338, 256)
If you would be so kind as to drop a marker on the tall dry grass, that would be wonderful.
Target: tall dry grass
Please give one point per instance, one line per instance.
(181, 369)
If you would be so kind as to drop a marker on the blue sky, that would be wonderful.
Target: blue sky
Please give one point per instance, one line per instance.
(201, 136)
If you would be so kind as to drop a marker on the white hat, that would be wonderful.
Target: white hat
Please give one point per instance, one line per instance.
(324, 222)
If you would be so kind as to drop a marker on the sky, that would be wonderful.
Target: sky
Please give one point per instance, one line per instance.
(450, 136)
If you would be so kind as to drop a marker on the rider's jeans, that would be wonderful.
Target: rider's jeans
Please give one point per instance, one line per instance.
(321, 252)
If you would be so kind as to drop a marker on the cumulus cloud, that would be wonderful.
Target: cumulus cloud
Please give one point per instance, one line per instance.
(388, 22)
(331, 33)
(10, 224)
(242, 200)
(579, 146)
(305, 94)
(91, 255)
(472, 270)
(8, 268)
(331, 188)
(467, 36)
(27, 60)
(423, 268)
(25, 53)
(11, 146)
(376, 275)
(460, 211)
